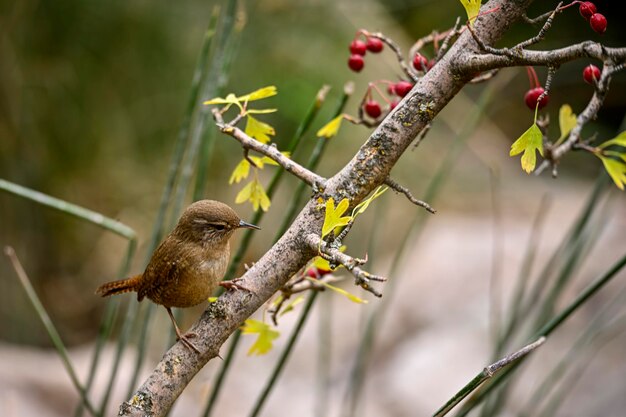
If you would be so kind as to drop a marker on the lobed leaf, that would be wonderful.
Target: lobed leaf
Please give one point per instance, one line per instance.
(259, 130)
(259, 94)
(472, 8)
(241, 172)
(567, 121)
(616, 169)
(619, 140)
(529, 142)
(265, 336)
(333, 217)
(255, 193)
(331, 128)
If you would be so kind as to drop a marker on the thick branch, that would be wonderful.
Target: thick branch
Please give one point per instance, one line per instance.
(368, 169)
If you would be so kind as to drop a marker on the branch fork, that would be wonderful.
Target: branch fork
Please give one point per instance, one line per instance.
(332, 254)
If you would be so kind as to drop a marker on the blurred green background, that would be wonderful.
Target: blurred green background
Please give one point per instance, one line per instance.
(92, 94)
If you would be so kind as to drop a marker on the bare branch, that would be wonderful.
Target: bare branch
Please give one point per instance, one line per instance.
(309, 177)
(400, 189)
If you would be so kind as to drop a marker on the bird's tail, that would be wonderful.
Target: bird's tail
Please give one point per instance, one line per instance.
(119, 287)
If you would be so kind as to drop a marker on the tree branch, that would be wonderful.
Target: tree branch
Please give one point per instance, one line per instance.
(249, 143)
(368, 169)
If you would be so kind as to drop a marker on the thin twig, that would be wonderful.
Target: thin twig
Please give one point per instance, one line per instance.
(270, 151)
(487, 373)
(403, 190)
(362, 278)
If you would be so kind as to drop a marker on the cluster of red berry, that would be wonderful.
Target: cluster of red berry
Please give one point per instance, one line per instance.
(358, 48)
(596, 20)
(372, 107)
(360, 45)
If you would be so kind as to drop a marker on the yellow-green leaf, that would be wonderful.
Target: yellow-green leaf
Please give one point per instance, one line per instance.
(618, 140)
(472, 7)
(529, 142)
(230, 99)
(616, 169)
(331, 128)
(289, 307)
(363, 205)
(212, 299)
(333, 217)
(259, 94)
(567, 121)
(261, 111)
(259, 130)
(265, 336)
(241, 172)
(255, 193)
(341, 291)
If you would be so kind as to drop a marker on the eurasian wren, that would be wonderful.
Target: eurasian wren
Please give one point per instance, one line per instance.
(190, 262)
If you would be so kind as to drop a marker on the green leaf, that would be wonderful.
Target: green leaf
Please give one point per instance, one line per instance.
(241, 172)
(212, 299)
(567, 121)
(333, 217)
(363, 205)
(259, 130)
(255, 193)
(341, 291)
(259, 94)
(265, 336)
(529, 142)
(472, 7)
(618, 140)
(616, 169)
(331, 128)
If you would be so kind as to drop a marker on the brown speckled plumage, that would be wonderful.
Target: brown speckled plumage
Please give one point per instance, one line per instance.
(190, 262)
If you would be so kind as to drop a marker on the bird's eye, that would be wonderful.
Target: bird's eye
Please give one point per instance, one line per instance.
(218, 226)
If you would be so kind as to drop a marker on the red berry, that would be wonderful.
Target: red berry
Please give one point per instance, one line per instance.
(420, 62)
(391, 89)
(358, 47)
(374, 45)
(598, 23)
(587, 9)
(532, 96)
(393, 104)
(402, 88)
(431, 63)
(372, 108)
(312, 272)
(356, 62)
(591, 74)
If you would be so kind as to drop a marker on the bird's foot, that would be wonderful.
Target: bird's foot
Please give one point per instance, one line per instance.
(233, 284)
(185, 339)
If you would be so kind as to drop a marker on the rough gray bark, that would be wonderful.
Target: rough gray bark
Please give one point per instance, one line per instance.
(367, 169)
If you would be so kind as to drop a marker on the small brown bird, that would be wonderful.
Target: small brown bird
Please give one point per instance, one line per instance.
(190, 262)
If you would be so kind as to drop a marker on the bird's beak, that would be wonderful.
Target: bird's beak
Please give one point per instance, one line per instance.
(248, 225)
